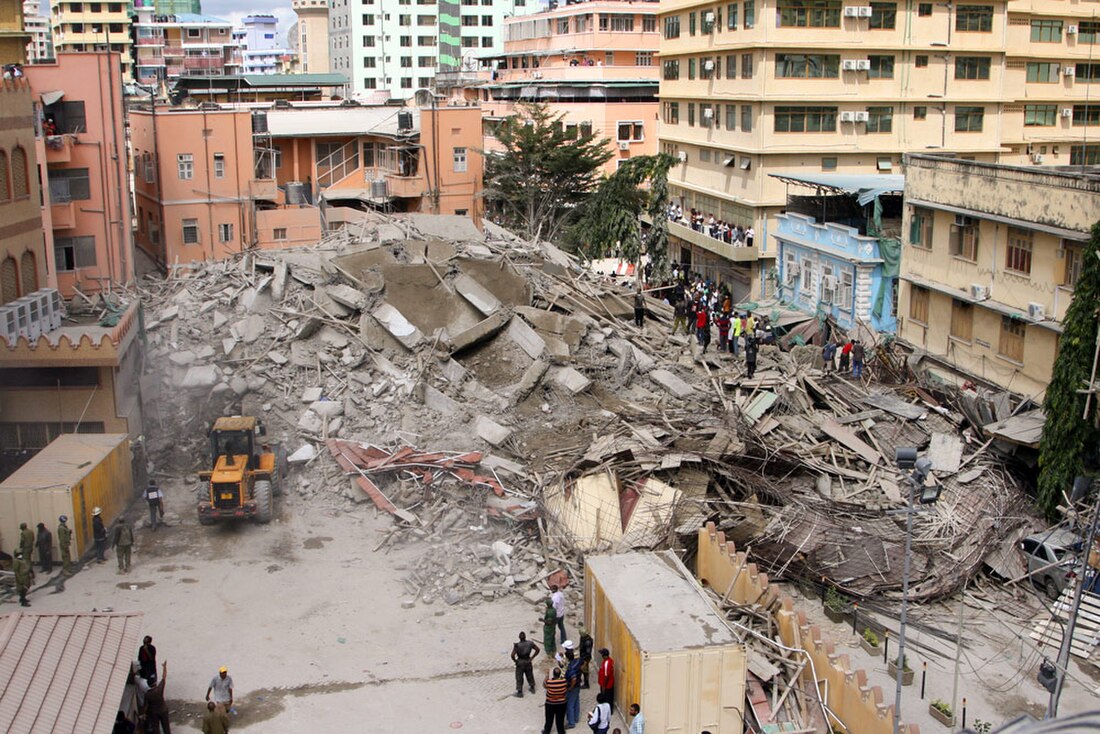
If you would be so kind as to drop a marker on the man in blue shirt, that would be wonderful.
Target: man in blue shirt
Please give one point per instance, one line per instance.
(637, 726)
(573, 692)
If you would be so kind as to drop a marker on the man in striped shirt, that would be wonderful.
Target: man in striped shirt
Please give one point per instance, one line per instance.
(556, 687)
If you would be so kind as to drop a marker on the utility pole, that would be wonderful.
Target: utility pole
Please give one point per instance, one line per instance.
(958, 654)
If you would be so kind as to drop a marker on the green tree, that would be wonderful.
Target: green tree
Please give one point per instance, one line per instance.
(611, 217)
(1068, 434)
(537, 184)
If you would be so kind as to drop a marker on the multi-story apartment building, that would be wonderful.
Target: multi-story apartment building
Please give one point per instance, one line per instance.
(311, 33)
(175, 7)
(991, 256)
(260, 50)
(167, 47)
(595, 62)
(399, 47)
(83, 145)
(14, 35)
(40, 45)
(761, 87)
(23, 253)
(79, 26)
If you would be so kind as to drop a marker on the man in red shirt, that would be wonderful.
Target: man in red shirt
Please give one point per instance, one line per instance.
(606, 677)
(555, 686)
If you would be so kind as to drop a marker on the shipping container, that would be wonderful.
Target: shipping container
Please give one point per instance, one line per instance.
(75, 473)
(674, 655)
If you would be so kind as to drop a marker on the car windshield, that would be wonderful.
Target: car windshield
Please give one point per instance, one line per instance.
(1061, 553)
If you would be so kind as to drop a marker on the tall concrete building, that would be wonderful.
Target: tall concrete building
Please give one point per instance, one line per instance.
(258, 37)
(175, 7)
(83, 27)
(399, 46)
(762, 87)
(170, 46)
(311, 35)
(13, 33)
(37, 26)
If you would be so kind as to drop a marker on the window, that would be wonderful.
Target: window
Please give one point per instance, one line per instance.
(368, 41)
(406, 62)
(460, 160)
(962, 320)
(706, 67)
(807, 276)
(1085, 115)
(789, 266)
(974, 18)
(74, 252)
(963, 242)
(185, 166)
(368, 19)
(1041, 72)
(746, 118)
(828, 284)
(672, 26)
(706, 115)
(1088, 31)
(425, 61)
(279, 233)
(846, 287)
(1046, 31)
(807, 66)
(920, 112)
(1084, 155)
(731, 117)
(969, 119)
(406, 20)
(808, 13)
(643, 58)
(1073, 256)
(670, 70)
(486, 20)
(750, 14)
(1040, 115)
(746, 66)
(883, 15)
(20, 186)
(971, 67)
(691, 114)
(190, 231)
(805, 119)
(219, 165)
(691, 68)
(407, 83)
(370, 62)
(918, 304)
(672, 113)
(1018, 254)
(731, 67)
(921, 62)
(649, 24)
(882, 67)
(629, 132)
(828, 164)
(731, 17)
(707, 26)
(225, 233)
(920, 228)
(1088, 73)
(691, 24)
(69, 184)
(405, 41)
(880, 119)
(924, 9)
(5, 180)
(426, 40)
(1013, 333)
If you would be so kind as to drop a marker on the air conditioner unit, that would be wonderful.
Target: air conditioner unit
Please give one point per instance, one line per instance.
(1036, 158)
(623, 145)
(863, 116)
(829, 282)
(979, 292)
(1036, 311)
(1069, 71)
(847, 117)
(683, 156)
(537, 75)
(1071, 30)
(849, 64)
(708, 112)
(863, 64)
(9, 325)
(794, 268)
(708, 65)
(55, 307)
(851, 12)
(865, 11)
(1067, 112)
(29, 322)
(708, 17)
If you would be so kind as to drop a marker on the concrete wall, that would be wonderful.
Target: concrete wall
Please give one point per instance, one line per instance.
(22, 245)
(862, 708)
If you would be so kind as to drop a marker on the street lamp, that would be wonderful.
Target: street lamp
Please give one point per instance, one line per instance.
(924, 494)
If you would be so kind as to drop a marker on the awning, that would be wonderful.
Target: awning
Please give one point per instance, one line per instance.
(866, 187)
(965, 297)
(780, 315)
(49, 98)
(1024, 429)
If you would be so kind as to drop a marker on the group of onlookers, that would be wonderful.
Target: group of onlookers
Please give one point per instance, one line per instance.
(708, 224)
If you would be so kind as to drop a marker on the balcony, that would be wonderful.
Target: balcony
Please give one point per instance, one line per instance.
(173, 52)
(578, 74)
(63, 214)
(59, 148)
(199, 62)
(405, 187)
(263, 189)
(718, 247)
(154, 41)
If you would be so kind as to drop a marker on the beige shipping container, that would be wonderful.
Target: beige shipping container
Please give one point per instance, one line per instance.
(75, 473)
(674, 656)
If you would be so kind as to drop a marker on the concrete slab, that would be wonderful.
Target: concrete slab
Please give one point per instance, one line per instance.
(491, 431)
(205, 352)
(302, 455)
(228, 345)
(278, 281)
(570, 379)
(397, 325)
(557, 348)
(200, 376)
(526, 338)
(672, 384)
(327, 408)
(312, 394)
(480, 332)
(440, 402)
(250, 328)
(478, 296)
(530, 379)
(453, 371)
(181, 359)
(220, 320)
(325, 302)
(278, 358)
(347, 296)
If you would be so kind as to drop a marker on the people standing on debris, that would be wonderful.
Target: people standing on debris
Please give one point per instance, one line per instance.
(845, 356)
(64, 542)
(99, 534)
(573, 689)
(679, 315)
(26, 541)
(599, 718)
(122, 543)
(738, 326)
(828, 354)
(557, 596)
(639, 307)
(857, 359)
(523, 652)
(147, 660)
(586, 644)
(606, 677)
(637, 725)
(555, 686)
(156, 709)
(44, 541)
(549, 628)
(24, 577)
(702, 326)
(222, 688)
(723, 324)
(214, 721)
(155, 499)
(750, 355)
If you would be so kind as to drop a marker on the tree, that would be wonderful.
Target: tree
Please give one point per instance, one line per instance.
(544, 174)
(1068, 434)
(611, 218)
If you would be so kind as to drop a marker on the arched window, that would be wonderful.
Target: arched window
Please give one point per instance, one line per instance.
(5, 179)
(28, 272)
(20, 186)
(9, 281)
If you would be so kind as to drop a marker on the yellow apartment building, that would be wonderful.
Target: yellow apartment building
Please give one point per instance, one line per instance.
(312, 33)
(96, 26)
(991, 255)
(761, 87)
(13, 34)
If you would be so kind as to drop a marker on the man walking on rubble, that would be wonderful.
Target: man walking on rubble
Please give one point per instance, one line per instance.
(639, 307)
(557, 596)
(828, 354)
(857, 359)
(155, 499)
(523, 652)
(679, 315)
(750, 355)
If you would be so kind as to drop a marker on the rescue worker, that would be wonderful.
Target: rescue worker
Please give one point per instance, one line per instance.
(26, 541)
(122, 543)
(99, 534)
(44, 541)
(64, 542)
(24, 577)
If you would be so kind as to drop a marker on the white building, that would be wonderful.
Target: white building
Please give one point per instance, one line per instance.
(40, 47)
(400, 46)
(259, 40)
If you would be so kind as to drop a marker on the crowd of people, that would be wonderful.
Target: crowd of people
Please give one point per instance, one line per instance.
(719, 229)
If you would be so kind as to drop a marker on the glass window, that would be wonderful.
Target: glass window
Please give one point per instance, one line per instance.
(808, 13)
(219, 165)
(969, 119)
(671, 69)
(828, 164)
(1087, 73)
(190, 231)
(963, 242)
(1088, 31)
(974, 18)
(459, 160)
(185, 166)
(1073, 256)
(971, 67)
(672, 26)
(731, 66)
(691, 23)
(807, 66)
(731, 117)
(750, 14)
(225, 233)
(731, 17)
(920, 228)
(1084, 155)
(691, 68)
(629, 132)
(672, 113)
(746, 118)
(649, 24)
(1086, 115)
(1013, 335)
(882, 67)
(883, 15)
(1046, 31)
(746, 66)
(880, 119)
(643, 58)
(920, 112)
(924, 9)
(921, 62)
(805, 119)
(1041, 72)
(1040, 115)
(691, 114)
(1018, 254)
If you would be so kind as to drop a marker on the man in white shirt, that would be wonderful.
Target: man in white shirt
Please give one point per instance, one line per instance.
(557, 598)
(637, 726)
(155, 499)
(222, 688)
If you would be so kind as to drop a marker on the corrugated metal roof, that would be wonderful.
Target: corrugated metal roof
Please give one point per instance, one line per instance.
(64, 672)
(292, 80)
(380, 120)
(65, 461)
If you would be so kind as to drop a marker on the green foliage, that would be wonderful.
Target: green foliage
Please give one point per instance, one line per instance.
(835, 601)
(871, 637)
(544, 174)
(943, 707)
(1068, 435)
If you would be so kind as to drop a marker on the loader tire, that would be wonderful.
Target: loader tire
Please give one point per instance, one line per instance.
(262, 492)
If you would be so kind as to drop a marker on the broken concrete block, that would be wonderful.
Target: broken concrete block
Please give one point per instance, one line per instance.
(327, 408)
(453, 371)
(643, 361)
(491, 431)
(397, 325)
(671, 383)
(312, 394)
(530, 379)
(228, 345)
(557, 348)
(205, 353)
(181, 359)
(345, 295)
(250, 328)
(302, 355)
(478, 296)
(496, 462)
(333, 338)
(310, 422)
(167, 314)
(307, 328)
(479, 332)
(220, 320)
(278, 281)
(239, 385)
(439, 402)
(201, 376)
(570, 379)
(302, 455)
(278, 358)
(328, 306)
(526, 338)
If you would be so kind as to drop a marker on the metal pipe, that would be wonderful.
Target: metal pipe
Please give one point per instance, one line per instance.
(898, 674)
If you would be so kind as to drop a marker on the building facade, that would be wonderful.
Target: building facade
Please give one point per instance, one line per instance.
(167, 47)
(40, 45)
(14, 35)
(260, 50)
(991, 256)
(88, 184)
(596, 64)
(79, 26)
(175, 7)
(24, 260)
(311, 33)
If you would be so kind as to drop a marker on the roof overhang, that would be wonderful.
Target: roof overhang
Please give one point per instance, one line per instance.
(1066, 234)
(866, 187)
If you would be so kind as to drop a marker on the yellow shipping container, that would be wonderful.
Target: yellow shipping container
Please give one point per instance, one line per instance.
(674, 656)
(73, 474)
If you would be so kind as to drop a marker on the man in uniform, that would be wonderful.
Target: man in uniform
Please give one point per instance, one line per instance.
(64, 542)
(214, 721)
(24, 577)
(523, 652)
(123, 542)
(99, 534)
(44, 541)
(26, 542)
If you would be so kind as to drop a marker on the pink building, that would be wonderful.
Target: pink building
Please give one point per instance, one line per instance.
(82, 142)
(594, 62)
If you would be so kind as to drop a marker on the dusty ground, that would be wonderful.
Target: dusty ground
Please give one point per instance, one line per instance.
(308, 618)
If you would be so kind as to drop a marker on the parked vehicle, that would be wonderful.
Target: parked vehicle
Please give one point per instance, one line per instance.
(1052, 559)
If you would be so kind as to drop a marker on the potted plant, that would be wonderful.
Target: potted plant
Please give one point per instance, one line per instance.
(869, 642)
(906, 671)
(941, 712)
(836, 605)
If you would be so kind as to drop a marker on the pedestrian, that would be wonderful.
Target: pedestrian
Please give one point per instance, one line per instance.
(24, 577)
(857, 359)
(738, 326)
(156, 709)
(750, 235)
(147, 660)
(122, 543)
(606, 677)
(639, 307)
(586, 644)
(637, 725)
(702, 326)
(214, 721)
(555, 686)
(557, 596)
(599, 718)
(549, 627)
(222, 688)
(845, 356)
(723, 324)
(573, 689)
(828, 354)
(122, 724)
(44, 541)
(680, 316)
(523, 652)
(99, 534)
(26, 541)
(750, 355)
(64, 542)
(155, 499)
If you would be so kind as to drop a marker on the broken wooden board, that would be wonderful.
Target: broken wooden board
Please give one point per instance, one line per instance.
(895, 406)
(759, 405)
(849, 440)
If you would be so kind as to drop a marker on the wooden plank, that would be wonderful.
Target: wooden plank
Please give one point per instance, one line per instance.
(893, 405)
(860, 417)
(849, 440)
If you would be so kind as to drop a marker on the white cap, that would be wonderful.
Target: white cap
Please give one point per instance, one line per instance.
(567, 645)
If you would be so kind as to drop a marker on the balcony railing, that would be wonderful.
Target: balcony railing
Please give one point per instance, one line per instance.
(718, 247)
(202, 63)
